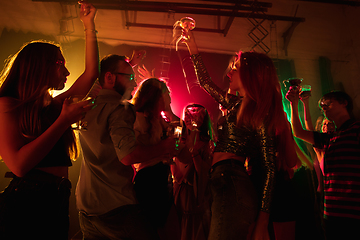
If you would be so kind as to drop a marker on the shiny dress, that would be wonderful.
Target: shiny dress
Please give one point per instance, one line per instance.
(232, 185)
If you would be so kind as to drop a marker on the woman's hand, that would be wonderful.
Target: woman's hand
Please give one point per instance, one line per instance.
(305, 99)
(87, 15)
(137, 57)
(188, 38)
(73, 112)
(261, 227)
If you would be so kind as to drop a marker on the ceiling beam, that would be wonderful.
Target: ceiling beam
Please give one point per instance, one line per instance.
(247, 9)
(168, 6)
(342, 2)
(213, 12)
(145, 25)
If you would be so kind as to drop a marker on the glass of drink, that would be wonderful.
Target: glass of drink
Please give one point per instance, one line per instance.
(80, 125)
(177, 132)
(186, 23)
(305, 91)
(294, 82)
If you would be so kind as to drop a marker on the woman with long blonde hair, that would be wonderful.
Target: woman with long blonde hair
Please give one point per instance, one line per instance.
(36, 140)
(152, 183)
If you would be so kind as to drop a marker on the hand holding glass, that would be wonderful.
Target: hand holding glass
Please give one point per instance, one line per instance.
(186, 23)
(305, 91)
(294, 82)
(80, 125)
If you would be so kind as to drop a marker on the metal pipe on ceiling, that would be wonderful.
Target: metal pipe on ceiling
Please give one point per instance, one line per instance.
(246, 9)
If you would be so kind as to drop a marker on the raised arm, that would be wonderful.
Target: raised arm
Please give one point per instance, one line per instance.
(202, 74)
(189, 39)
(86, 80)
(307, 116)
(293, 96)
(144, 73)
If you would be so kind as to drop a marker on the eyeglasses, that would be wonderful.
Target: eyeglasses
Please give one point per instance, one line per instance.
(131, 76)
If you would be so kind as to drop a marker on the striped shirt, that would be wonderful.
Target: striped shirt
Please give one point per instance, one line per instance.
(341, 170)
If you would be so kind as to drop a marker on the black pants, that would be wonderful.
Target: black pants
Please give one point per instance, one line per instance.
(154, 193)
(35, 207)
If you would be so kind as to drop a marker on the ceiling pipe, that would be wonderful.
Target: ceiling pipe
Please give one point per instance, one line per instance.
(342, 2)
(204, 12)
(252, 7)
(253, 4)
(145, 25)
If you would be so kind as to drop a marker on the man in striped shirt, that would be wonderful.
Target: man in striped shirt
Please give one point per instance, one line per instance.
(341, 162)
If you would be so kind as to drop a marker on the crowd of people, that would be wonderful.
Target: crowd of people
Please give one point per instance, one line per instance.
(147, 174)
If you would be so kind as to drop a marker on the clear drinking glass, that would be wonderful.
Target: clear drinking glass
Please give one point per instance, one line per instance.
(80, 125)
(293, 82)
(186, 23)
(305, 91)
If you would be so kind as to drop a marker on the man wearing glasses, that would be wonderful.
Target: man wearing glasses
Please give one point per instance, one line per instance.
(105, 197)
(341, 162)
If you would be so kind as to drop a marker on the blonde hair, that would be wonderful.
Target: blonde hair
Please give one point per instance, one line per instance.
(146, 100)
(28, 78)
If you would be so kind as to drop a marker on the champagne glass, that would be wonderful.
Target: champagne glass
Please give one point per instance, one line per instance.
(186, 23)
(79, 125)
(294, 82)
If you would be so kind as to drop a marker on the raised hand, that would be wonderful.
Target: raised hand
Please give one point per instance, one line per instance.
(137, 57)
(293, 95)
(188, 38)
(144, 73)
(305, 98)
(87, 14)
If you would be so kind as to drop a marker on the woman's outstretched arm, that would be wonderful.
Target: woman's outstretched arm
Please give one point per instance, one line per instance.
(86, 80)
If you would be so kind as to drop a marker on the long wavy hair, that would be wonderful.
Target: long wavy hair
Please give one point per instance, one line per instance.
(28, 78)
(147, 101)
(262, 104)
(263, 100)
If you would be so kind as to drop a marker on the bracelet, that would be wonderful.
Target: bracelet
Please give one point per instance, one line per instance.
(92, 30)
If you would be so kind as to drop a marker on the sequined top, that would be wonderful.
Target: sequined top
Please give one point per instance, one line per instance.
(255, 145)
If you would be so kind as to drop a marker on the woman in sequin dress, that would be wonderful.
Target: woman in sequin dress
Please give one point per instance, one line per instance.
(254, 131)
